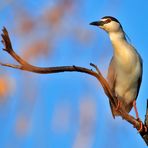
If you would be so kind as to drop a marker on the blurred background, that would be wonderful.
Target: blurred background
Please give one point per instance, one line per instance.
(65, 110)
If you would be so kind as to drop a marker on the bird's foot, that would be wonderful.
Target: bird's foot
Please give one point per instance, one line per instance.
(145, 128)
(142, 126)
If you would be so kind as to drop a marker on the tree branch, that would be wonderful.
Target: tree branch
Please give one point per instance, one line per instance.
(24, 65)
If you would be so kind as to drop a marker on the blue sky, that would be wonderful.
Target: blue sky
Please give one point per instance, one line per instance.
(68, 109)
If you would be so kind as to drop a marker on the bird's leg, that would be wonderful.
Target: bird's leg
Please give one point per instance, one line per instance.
(118, 103)
(135, 109)
(138, 119)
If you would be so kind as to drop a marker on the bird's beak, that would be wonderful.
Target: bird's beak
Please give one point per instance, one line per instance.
(97, 23)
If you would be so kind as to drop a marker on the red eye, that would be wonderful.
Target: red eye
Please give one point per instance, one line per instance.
(108, 21)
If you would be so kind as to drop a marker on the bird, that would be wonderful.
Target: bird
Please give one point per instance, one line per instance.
(126, 66)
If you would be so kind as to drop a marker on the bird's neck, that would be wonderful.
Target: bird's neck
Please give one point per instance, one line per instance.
(118, 41)
(116, 37)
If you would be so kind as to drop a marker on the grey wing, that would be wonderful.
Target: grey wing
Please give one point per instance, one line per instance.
(111, 78)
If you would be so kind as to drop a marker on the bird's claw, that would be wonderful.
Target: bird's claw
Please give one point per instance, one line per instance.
(142, 126)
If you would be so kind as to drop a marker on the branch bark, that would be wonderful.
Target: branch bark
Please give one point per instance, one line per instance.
(24, 65)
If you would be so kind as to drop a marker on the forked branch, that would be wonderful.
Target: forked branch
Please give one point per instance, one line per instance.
(24, 65)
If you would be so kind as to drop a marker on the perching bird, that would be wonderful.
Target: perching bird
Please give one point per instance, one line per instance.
(125, 69)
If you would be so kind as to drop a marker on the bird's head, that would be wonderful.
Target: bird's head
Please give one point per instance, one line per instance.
(109, 24)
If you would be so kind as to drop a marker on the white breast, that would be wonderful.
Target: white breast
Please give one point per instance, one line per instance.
(128, 71)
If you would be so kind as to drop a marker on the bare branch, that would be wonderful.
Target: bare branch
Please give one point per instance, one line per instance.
(12, 66)
(145, 136)
(146, 116)
(24, 65)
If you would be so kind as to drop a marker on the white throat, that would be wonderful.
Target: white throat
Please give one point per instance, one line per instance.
(117, 36)
(118, 41)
